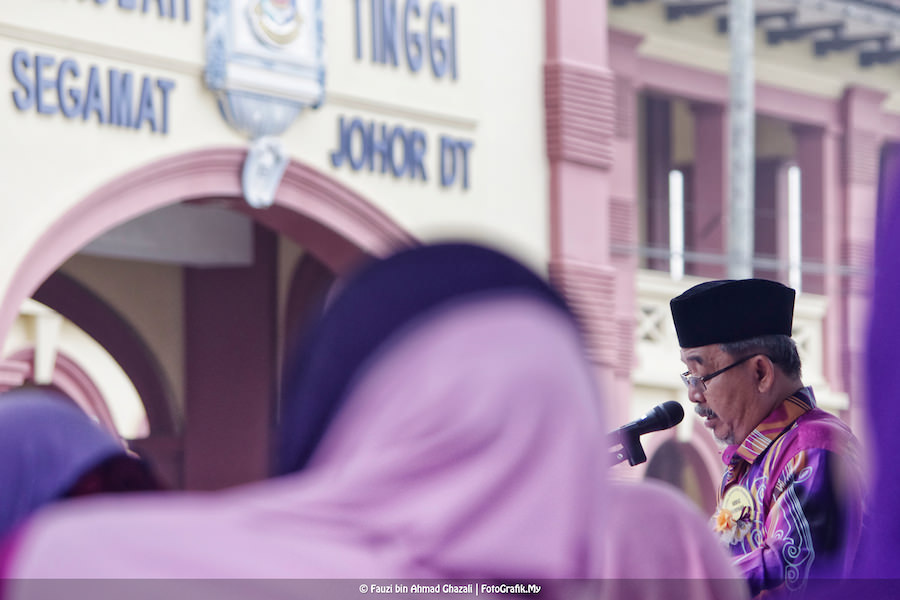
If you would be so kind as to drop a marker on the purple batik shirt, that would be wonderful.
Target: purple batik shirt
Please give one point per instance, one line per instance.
(800, 510)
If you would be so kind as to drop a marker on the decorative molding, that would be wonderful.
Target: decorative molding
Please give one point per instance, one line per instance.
(13, 373)
(590, 290)
(216, 43)
(624, 364)
(862, 157)
(72, 381)
(336, 224)
(581, 113)
(695, 84)
(623, 51)
(626, 107)
(256, 116)
(858, 255)
(77, 44)
(265, 63)
(623, 222)
(263, 170)
(262, 84)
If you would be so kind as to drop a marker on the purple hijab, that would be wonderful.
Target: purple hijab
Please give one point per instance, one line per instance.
(879, 555)
(46, 445)
(876, 572)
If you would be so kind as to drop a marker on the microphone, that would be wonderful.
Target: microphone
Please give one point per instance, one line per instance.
(668, 414)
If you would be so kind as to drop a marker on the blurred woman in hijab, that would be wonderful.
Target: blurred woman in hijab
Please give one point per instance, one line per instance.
(876, 572)
(441, 422)
(50, 450)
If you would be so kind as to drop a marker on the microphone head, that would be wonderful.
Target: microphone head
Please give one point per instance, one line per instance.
(670, 413)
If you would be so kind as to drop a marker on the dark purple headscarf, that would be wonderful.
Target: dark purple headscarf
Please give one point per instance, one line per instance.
(879, 555)
(46, 445)
(405, 286)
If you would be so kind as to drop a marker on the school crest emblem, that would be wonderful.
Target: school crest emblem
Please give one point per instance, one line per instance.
(275, 22)
(265, 63)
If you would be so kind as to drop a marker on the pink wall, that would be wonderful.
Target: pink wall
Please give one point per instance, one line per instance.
(580, 105)
(230, 368)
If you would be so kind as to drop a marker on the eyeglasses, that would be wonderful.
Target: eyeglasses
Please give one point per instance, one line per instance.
(700, 381)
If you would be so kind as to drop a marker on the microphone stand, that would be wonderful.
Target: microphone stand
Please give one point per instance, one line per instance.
(629, 447)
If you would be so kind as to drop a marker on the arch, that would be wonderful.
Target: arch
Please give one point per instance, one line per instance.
(680, 464)
(112, 331)
(70, 379)
(332, 222)
(309, 287)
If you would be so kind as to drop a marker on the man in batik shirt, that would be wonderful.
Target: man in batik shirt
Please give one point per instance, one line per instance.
(790, 503)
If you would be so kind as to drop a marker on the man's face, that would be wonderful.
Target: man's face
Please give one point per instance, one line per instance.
(730, 403)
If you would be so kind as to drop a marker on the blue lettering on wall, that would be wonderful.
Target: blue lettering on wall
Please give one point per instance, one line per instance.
(121, 87)
(165, 87)
(413, 39)
(93, 97)
(451, 150)
(357, 26)
(146, 110)
(376, 32)
(397, 149)
(41, 63)
(24, 98)
(70, 98)
(420, 32)
(111, 98)
(391, 42)
(170, 9)
(400, 151)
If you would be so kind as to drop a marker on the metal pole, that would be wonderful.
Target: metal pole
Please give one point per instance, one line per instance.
(741, 129)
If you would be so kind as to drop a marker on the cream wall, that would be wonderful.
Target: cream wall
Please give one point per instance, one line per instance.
(497, 103)
(151, 298)
(124, 404)
(51, 163)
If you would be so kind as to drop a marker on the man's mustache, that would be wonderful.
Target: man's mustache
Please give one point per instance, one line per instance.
(704, 411)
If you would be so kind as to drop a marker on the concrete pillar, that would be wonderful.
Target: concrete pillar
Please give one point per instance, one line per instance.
(658, 163)
(822, 215)
(580, 119)
(230, 369)
(771, 218)
(623, 217)
(863, 138)
(707, 211)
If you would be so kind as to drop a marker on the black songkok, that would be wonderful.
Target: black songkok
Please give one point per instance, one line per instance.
(718, 312)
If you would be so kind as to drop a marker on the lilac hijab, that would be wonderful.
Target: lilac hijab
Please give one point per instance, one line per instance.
(46, 444)
(374, 304)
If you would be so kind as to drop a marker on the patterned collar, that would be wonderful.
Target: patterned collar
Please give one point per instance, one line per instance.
(781, 417)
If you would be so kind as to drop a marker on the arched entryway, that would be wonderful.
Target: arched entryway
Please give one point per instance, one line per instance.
(229, 344)
(680, 464)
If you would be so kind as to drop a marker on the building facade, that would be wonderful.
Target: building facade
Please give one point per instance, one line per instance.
(184, 181)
